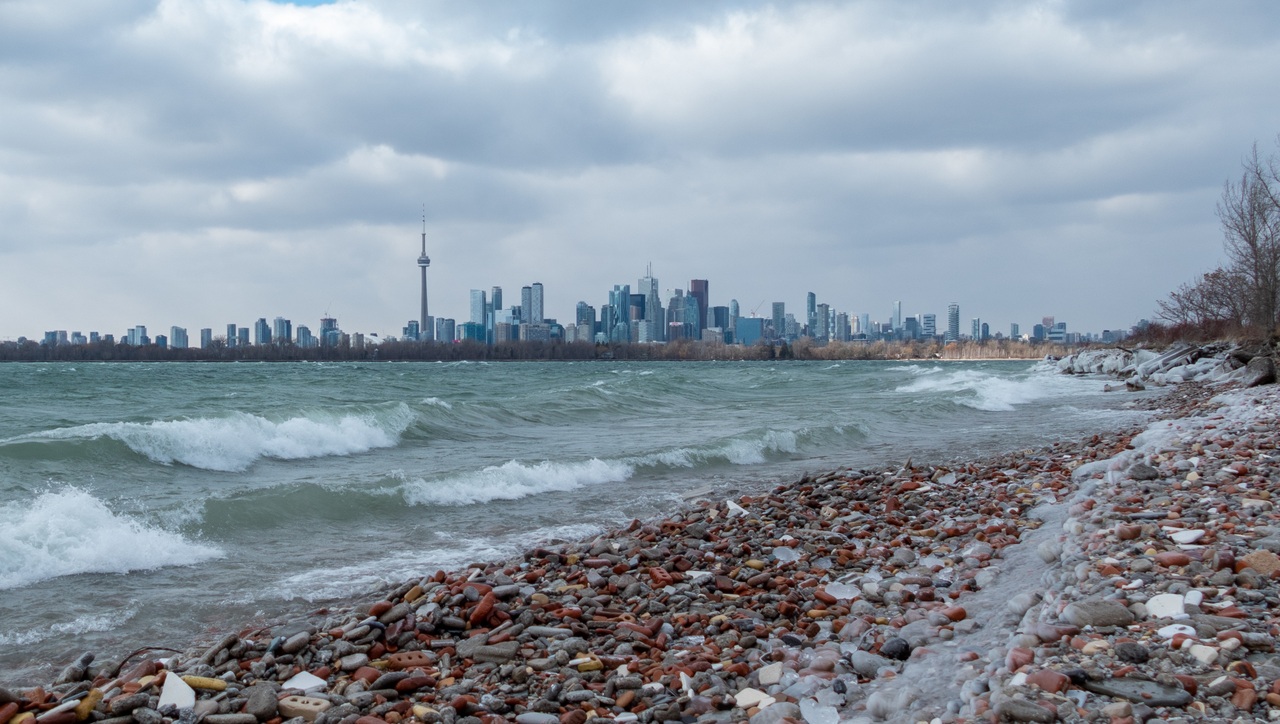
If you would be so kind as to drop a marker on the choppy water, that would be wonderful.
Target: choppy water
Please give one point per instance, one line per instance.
(149, 504)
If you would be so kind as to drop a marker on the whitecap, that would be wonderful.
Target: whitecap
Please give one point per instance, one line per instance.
(70, 532)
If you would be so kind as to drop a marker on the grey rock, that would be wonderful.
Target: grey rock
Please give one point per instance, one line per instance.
(1132, 652)
(76, 670)
(1259, 371)
(127, 704)
(1097, 612)
(867, 664)
(1020, 710)
(498, 653)
(389, 680)
(352, 662)
(397, 612)
(1142, 471)
(296, 643)
(1270, 543)
(1140, 692)
(467, 648)
(896, 648)
(146, 715)
(230, 719)
(533, 717)
(261, 701)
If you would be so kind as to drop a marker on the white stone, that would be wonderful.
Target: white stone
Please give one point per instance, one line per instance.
(842, 590)
(734, 508)
(1231, 644)
(815, 713)
(749, 697)
(771, 674)
(176, 692)
(1174, 629)
(306, 683)
(1187, 536)
(1204, 654)
(784, 554)
(1166, 605)
(1193, 598)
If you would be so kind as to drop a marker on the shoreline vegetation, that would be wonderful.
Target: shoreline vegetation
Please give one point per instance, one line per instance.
(1126, 576)
(802, 349)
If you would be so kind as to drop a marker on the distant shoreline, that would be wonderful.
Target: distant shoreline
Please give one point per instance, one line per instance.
(802, 350)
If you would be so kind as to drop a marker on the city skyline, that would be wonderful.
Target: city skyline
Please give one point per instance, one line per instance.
(1023, 158)
(625, 318)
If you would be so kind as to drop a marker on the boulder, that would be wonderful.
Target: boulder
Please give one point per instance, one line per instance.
(1259, 371)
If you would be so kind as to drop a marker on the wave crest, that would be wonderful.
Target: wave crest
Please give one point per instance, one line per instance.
(514, 480)
(235, 442)
(69, 532)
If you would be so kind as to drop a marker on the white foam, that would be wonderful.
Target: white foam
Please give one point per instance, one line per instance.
(514, 480)
(84, 624)
(736, 451)
(69, 532)
(986, 391)
(437, 402)
(235, 442)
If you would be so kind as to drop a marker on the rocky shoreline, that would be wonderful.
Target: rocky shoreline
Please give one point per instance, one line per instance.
(1122, 578)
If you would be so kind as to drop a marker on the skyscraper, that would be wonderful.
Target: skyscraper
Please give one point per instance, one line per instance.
(811, 313)
(281, 330)
(535, 313)
(953, 323)
(655, 319)
(477, 306)
(897, 316)
(699, 289)
(526, 305)
(261, 332)
(424, 261)
(928, 326)
(779, 319)
(733, 321)
(231, 335)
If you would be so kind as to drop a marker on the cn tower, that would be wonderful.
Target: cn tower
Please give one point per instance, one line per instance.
(424, 261)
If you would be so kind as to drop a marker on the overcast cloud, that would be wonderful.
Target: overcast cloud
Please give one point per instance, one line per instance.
(201, 162)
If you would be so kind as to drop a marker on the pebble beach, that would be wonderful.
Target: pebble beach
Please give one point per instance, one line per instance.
(1124, 577)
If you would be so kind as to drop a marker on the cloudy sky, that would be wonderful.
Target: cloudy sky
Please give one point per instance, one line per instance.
(199, 162)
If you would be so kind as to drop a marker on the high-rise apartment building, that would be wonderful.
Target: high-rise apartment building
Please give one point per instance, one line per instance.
(477, 307)
(953, 323)
(977, 329)
(526, 304)
(282, 330)
(699, 290)
(655, 318)
(178, 338)
(206, 338)
(536, 315)
(232, 339)
(822, 313)
(811, 313)
(897, 316)
(261, 332)
(1014, 331)
(928, 326)
(779, 319)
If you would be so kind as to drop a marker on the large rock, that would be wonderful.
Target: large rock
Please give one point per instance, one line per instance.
(1097, 612)
(1259, 371)
(1141, 692)
(1142, 471)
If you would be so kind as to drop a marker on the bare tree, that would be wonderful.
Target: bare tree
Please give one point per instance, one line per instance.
(1250, 216)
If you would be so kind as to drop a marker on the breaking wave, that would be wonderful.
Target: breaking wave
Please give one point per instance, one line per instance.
(69, 532)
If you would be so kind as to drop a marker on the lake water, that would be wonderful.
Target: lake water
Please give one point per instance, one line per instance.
(154, 504)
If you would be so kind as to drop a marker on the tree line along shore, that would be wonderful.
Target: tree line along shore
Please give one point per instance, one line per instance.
(527, 351)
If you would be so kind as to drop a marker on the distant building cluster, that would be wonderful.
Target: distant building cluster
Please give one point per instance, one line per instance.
(279, 332)
(629, 315)
(639, 315)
